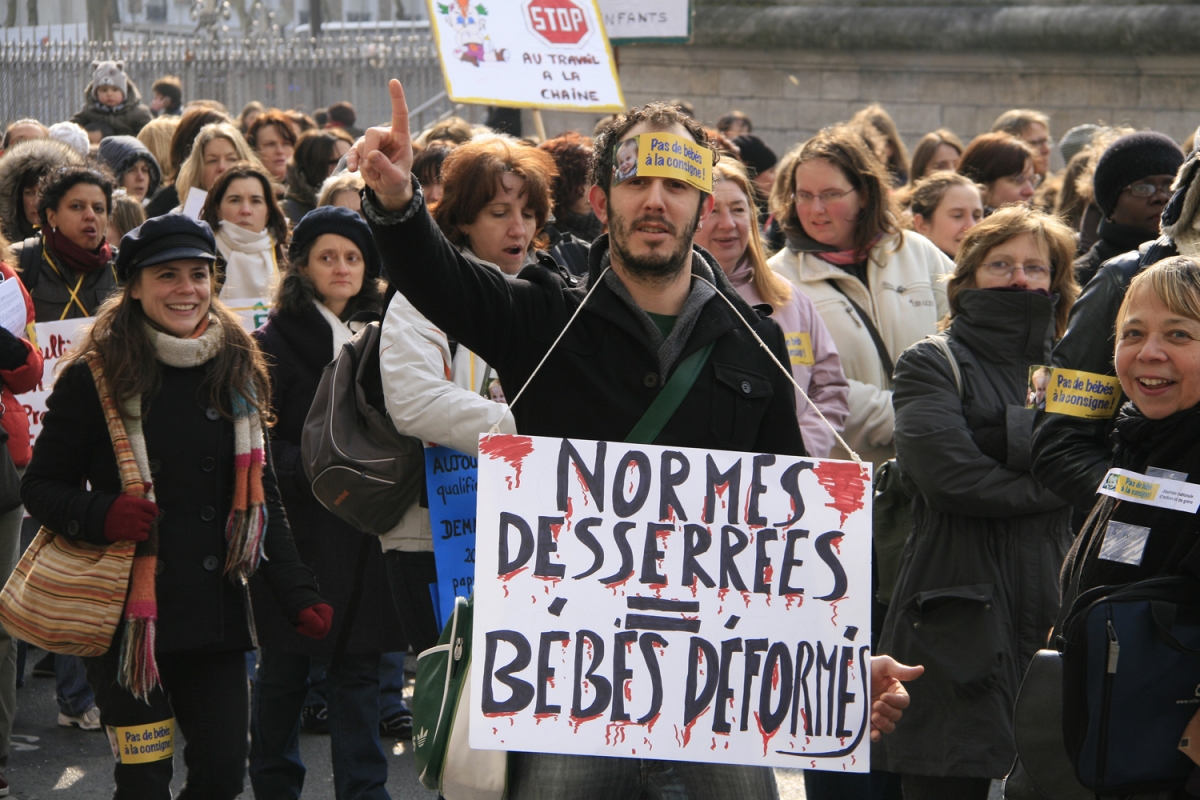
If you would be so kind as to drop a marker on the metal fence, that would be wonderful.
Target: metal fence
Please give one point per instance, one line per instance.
(47, 80)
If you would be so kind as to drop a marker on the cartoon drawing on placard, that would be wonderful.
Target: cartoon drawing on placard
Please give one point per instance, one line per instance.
(470, 30)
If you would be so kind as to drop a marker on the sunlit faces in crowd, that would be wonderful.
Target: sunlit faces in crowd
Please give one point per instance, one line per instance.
(336, 268)
(651, 221)
(726, 231)
(1020, 263)
(176, 295)
(827, 205)
(245, 204)
(81, 215)
(136, 180)
(503, 230)
(945, 205)
(219, 155)
(1158, 339)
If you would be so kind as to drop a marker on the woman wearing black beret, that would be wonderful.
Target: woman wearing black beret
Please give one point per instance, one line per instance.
(332, 276)
(191, 390)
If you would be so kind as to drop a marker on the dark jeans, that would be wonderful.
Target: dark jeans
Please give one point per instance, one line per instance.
(542, 776)
(71, 689)
(874, 785)
(206, 695)
(410, 575)
(929, 787)
(352, 685)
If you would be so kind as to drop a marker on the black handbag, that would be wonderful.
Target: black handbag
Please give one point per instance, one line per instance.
(1042, 769)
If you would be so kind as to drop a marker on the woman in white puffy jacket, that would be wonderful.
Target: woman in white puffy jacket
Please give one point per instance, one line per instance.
(496, 200)
(846, 251)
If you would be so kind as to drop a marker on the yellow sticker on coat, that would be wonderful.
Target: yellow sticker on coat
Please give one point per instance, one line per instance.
(142, 744)
(800, 349)
(1082, 394)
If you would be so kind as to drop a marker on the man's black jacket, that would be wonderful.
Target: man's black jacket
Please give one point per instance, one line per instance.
(605, 372)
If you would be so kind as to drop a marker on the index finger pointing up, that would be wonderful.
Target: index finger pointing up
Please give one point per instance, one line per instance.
(399, 108)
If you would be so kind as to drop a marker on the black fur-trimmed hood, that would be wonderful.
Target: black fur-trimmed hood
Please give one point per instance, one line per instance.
(34, 155)
(1180, 219)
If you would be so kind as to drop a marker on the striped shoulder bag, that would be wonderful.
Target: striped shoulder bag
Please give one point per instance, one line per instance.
(65, 596)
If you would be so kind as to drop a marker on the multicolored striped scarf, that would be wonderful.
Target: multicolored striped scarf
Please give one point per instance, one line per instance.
(247, 518)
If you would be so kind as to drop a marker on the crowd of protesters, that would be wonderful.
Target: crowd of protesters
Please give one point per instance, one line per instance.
(911, 297)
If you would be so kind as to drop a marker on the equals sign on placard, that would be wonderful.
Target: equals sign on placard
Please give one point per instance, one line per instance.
(647, 622)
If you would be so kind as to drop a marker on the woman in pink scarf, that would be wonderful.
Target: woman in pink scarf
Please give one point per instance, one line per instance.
(731, 234)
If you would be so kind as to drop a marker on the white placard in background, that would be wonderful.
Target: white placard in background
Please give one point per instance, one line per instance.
(531, 54)
(13, 313)
(658, 21)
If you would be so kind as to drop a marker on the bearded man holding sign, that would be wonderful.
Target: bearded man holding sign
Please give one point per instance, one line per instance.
(654, 305)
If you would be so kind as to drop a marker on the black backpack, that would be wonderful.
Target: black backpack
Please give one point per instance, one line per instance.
(362, 469)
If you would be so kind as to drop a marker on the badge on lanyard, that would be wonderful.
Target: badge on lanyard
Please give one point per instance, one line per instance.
(1148, 490)
(1124, 543)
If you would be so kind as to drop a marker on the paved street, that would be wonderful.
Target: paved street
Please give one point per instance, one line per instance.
(53, 763)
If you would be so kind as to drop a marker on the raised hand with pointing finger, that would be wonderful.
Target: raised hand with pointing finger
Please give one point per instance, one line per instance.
(384, 156)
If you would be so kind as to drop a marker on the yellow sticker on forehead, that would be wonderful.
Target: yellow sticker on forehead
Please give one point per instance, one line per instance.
(663, 155)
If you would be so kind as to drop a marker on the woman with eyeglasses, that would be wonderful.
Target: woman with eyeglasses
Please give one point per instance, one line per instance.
(877, 287)
(1004, 166)
(1131, 187)
(977, 590)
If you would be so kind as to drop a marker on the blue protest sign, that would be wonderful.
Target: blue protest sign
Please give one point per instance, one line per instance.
(450, 480)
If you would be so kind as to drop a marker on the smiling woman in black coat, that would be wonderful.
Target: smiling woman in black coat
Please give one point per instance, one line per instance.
(333, 274)
(185, 378)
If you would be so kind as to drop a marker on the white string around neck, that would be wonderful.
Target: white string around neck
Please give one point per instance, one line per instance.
(787, 372)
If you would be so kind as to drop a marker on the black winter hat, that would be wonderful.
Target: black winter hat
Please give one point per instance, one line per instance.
(755, 153)
(1130, 158)
(343, 222)
(160, 239)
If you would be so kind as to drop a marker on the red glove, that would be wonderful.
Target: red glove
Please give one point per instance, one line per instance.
(315, 621)
(129, 519)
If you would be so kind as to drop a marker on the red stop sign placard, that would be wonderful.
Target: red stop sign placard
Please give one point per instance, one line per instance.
(557, 22)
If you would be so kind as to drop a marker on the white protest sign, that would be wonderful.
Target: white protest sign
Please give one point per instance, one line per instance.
(54, 339)
(13, 312)
(657, 21)
(195, 203)
(532, 54)
(671, 603)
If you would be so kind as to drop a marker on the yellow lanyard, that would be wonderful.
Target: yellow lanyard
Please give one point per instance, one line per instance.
(74, 292)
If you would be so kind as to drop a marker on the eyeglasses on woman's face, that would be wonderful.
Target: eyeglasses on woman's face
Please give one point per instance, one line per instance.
(1005, 269)
(827, 198)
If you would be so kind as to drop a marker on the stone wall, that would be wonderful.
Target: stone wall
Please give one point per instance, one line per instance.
(1113, 69)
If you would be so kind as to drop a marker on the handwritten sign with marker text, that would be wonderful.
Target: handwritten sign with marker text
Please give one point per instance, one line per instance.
(531, 54)
(450, 478)
(672, 603)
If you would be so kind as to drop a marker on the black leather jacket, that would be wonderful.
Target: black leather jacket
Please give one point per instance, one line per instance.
(1071, 455)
